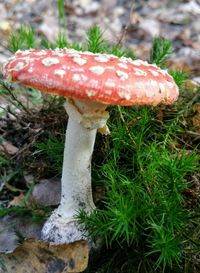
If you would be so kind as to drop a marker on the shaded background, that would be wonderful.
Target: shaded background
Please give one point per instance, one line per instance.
(134, 23)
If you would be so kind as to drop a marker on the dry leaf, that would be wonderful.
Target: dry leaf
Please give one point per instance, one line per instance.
(191, 84)
(150, 26)
(186, 59)
(190, 7)
(35, 256)
(197, 80)
(8, 148)
(17, 201)
(49, 26)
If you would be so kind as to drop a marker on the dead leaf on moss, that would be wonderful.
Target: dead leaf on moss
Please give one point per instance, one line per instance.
(40, 257)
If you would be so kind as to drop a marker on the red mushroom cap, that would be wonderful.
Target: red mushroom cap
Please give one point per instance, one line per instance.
(99, 77)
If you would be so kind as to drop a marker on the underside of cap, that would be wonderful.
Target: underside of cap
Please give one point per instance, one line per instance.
(98, 77)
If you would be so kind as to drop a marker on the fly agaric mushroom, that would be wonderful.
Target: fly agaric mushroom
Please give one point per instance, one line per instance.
(90, 82)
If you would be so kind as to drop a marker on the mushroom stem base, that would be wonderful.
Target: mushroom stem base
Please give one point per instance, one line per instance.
(59, 230)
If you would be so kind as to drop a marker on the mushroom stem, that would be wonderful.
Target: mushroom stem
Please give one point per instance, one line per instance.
(76, 174)
(76, 193)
